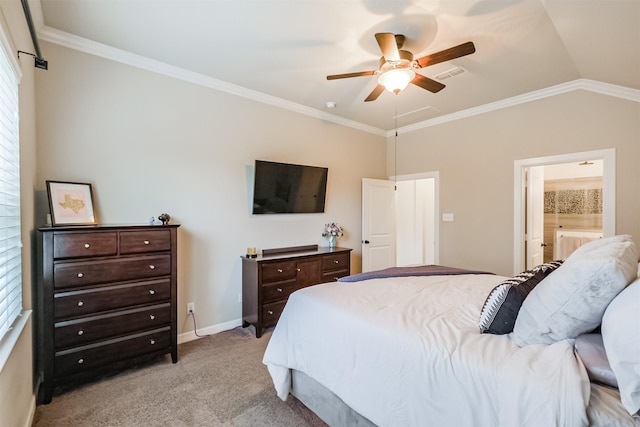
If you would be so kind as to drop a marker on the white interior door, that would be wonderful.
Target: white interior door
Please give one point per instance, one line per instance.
(378, 224)
(535, 216)
(415, 222)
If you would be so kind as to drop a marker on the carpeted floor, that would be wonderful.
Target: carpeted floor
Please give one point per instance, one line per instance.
(218, 381)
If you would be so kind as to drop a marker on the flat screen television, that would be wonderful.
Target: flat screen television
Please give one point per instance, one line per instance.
(283, 188)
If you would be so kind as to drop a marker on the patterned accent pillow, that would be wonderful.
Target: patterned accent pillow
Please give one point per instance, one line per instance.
(500, 310)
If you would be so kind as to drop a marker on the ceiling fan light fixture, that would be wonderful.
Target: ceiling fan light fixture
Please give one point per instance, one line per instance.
(397, 79)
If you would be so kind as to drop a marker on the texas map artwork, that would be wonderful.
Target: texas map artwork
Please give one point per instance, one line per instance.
(72, 203)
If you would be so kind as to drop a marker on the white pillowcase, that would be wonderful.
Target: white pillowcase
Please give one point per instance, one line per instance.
(572, 299)
(621, 338)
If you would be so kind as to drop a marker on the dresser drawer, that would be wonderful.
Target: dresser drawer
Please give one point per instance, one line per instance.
(133, 242)
(82, 359)
(279, 291)
(335, 262)
(73, 274)
(276, 271)
(73, 245)
(333, 276)
(81, 331)
(82, 302)
(271, 312)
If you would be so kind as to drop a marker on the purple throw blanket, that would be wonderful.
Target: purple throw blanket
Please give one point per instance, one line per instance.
(421, 270)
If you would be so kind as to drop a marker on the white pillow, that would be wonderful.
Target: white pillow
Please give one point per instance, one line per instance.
(621, 338)
(572, 299)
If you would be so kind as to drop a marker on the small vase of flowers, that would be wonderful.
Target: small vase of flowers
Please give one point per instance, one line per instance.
(332, 231)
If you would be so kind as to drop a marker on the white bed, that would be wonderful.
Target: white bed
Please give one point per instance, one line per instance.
(407, 351)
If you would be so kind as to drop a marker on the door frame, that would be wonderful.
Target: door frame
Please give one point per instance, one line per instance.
(436, 204)
(608, 156)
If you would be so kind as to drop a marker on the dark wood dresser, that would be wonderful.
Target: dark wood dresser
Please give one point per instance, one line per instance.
(106, 298)
(269, 279)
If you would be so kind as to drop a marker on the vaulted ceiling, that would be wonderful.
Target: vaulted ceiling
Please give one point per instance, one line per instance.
(281, 51)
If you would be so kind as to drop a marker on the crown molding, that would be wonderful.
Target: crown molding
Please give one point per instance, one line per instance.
(71, 41)
(579, 84)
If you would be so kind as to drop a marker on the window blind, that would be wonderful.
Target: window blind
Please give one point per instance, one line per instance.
(10, 240)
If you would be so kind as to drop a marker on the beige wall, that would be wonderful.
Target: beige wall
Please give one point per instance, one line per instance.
(475, 157)
(16, 384)
(151, 144)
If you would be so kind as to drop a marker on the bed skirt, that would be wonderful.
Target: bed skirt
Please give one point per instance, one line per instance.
(326, 405)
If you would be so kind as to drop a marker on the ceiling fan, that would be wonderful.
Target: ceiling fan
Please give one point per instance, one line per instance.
(397, 66)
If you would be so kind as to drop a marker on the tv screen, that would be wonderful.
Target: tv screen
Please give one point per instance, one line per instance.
(287, 188)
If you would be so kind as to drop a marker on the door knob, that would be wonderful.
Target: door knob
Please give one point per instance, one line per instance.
(366, 242)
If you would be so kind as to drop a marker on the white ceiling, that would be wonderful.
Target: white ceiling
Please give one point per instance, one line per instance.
(285, 48)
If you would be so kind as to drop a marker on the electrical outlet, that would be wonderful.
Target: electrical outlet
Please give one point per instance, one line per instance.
(191, 308)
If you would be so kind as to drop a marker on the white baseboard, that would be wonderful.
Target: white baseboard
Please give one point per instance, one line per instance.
(209, 330)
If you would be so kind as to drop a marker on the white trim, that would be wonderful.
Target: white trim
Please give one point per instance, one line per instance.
(436, 184)
(608, 194)
(9, 341)
(7, 44)
(209, 330)
(580, 84)
(71, 41)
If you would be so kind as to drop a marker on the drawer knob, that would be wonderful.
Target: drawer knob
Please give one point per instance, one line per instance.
(80, 332)
(146, 242)
(152, 317)
(86, 245)
(336, 261)
(80, 361)
(152, 292)
(80, 275)
(297, 269)
(80, 303)
(152, 342)
(336, 278)
(270, 312)
(279, 289)
(279, 270)
(152, 267)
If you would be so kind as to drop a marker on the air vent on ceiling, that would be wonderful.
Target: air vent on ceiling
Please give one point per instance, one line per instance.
(451, 73)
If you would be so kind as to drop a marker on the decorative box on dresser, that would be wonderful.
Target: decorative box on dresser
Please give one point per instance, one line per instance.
(269, 279)
(106, 298)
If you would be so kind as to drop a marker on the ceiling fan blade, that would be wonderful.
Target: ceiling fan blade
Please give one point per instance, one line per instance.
(447, 54)
(427, 83)
(347, 75)
(388, 46)
(375, 93)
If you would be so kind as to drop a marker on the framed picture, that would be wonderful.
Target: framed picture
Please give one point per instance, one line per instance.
(71, 203)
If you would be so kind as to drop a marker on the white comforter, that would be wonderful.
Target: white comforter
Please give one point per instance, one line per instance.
(407, 352)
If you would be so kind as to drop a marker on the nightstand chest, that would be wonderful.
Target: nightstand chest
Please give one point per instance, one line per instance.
(106, 297)
(269, 279)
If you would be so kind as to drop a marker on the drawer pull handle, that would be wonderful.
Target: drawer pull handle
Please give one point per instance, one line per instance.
(152, 292)
(152, 317)
(80, 275)
(86, 245)
(279, 270)
(80, 303)
(152, 342)
(279, 289)
(270, 312)
(152, 267)
(336, 261)
(80, 361)
(146, 242)
(80, 332)
(297, 269)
